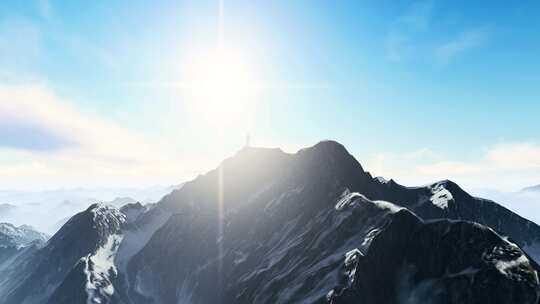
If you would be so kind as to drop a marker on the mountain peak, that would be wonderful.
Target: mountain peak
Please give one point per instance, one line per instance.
(11, 235)
(330, 143)
(323, 151)
(328, 147)
(254, 155)
(330, 158)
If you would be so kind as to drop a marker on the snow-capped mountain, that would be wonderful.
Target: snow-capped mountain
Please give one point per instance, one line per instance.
(271, 227)
(438, 261)
(17, 245)
(13, 236)
(77, 244)
(46, 209)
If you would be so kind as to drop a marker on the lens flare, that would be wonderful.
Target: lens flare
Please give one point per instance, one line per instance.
(221, 88)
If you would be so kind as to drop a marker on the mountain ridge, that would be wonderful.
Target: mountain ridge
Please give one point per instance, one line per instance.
(272, 227)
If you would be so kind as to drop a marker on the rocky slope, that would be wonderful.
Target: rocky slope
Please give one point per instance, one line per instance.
(272, 227)
(439, 261)
(81, 238)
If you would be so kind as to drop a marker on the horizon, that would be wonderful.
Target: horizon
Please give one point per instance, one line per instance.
(235, 151)
(486, 189)
(523, 203)
(417, 91)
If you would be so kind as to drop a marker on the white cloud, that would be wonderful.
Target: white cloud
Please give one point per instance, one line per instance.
(515, 156)
(99, 151)
(506, 166)
(38, 106)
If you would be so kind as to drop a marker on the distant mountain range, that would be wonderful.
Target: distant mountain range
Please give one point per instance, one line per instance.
(45, 209)
(15, 241)
(271, 227)
(13, 236)
(526, 203)
(7, 208)
(532, 189)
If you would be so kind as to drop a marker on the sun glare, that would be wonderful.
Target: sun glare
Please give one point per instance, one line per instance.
(221, 87)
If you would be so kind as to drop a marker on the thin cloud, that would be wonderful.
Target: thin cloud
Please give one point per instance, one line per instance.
(49, 140)
(406, 40)
(464, 41)
(45, 9)
(516, 155)
(418, 17)
(399, 42)
(20, 134)
(37, 108)
(505, 166)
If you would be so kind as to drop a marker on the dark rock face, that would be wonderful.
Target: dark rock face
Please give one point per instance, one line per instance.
(454, 203)
(272, 227)
(72, 289)
(283, 234)
(255, 260)
(441, 261)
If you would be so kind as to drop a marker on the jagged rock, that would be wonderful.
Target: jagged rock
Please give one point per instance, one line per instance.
(272, 227)
(441, 261)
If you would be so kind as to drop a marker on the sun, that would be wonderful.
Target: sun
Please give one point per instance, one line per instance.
(221, 88)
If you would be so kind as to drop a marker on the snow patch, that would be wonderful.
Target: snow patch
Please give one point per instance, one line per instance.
(108, 212)
(100, 271)
(348, 199)
(440, 196)
(381, 180)
(509, 260)
(352, 256)
(505, 266)
(370, 236)
(388, 206)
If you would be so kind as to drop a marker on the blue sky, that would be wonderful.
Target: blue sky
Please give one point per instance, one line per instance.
(416, 90)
